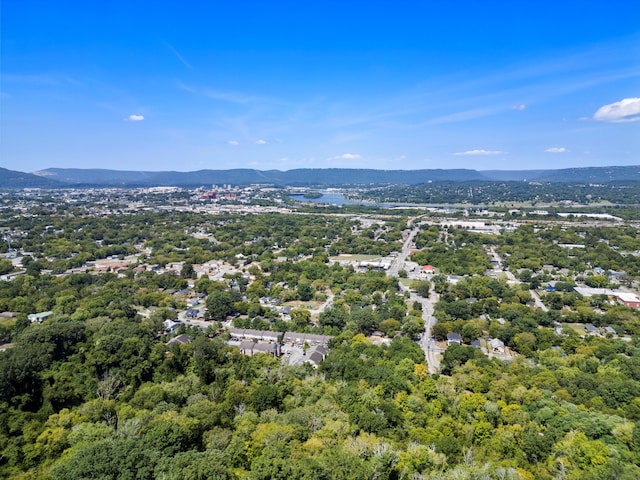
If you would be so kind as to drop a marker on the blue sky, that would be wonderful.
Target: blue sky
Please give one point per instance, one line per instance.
(169, 85)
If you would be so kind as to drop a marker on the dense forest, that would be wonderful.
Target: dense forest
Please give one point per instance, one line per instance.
(506, 193)
(97, 390)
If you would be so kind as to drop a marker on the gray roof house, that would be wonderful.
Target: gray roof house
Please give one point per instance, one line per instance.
(180, 339)
(496, 345)
(591, 329)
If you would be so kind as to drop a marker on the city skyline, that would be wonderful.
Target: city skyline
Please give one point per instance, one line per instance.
(285, 85)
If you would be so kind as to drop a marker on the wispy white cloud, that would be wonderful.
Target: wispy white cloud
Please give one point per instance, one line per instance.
(453, 99)
(461, 101)
(261, 142)
(187, 88)
(224, 96)
(347, 156)
(134, 118)
(480, 152)
(556, 150)
(178, 56)
(465, 115)
(626, 110)
(233, 143)
(505, 94)
(231, 97)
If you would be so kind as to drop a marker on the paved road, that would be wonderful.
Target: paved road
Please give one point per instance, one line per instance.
(537, 301)
(398, 263)
(499, 268)
(427, 343)
(326, 305)
(512, 278)
(203, 324)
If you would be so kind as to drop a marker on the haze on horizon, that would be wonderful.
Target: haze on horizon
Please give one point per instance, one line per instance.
(284, 85)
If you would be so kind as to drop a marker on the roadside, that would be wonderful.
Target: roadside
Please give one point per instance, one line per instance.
(427, 343)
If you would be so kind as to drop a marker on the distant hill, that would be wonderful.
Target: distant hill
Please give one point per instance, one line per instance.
(592, 174)
(514, 175)
(321, 177)
(569, 175)
(298, 177)
(15, 179)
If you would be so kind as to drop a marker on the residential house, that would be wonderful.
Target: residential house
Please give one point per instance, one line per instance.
(170, 326)
(251, 334)
(38, 317)
(250, 348)
(315, 355)
(246, 347)
(296, 338)
(427, 270)
(496, 345)
(315, 359)
(180, 339)
(286, 313)
(270, 348)
(591, 329)
(628, 299)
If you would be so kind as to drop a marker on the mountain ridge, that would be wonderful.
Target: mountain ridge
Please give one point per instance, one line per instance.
(16, 179)
(305, 177)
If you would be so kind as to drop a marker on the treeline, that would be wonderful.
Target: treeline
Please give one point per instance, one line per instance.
(453, 251)
(490, 193)
(609, 248)
(532, 246)
(58, 241)
(108, 399)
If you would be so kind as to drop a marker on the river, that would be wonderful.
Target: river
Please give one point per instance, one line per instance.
(336, 198)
